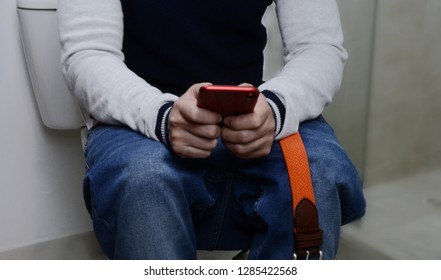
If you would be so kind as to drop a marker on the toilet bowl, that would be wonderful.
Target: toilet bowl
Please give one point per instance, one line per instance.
(39, 33)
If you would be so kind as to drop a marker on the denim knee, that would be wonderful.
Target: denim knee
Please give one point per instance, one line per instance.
(333, 173)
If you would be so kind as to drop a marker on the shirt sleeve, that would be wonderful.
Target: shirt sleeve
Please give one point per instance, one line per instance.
(314, 59)
(92, 62)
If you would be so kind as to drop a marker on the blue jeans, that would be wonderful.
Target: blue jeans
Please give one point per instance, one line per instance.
(147, 203)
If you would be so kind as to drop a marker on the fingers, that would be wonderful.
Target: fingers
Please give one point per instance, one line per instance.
(187, 145)
(254, 149)
(190, 112)
(178, 122)
(193, 141)
(249, 143)
(193, 131)
(250, 135)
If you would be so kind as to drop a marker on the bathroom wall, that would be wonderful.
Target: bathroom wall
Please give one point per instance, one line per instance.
(404, 129)
(348, 112)
(40, 169)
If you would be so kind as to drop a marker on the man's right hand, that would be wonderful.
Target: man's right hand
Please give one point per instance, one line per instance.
(193, 131)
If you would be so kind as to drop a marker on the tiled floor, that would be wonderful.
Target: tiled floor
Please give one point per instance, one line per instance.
(77, 247)
(403, 221)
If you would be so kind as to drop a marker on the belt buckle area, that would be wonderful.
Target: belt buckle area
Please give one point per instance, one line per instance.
(308, 255)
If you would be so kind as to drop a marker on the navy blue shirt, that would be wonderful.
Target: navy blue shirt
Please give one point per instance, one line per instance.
(173, 44)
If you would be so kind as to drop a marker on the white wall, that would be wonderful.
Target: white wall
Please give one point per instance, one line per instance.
(404, 121)
(40, 169)
(349, 110)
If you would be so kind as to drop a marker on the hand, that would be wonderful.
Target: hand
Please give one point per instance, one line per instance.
(193, 131)
(250, 135)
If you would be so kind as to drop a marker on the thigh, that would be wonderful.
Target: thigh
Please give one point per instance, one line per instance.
(337, 185)
(140, 195)
(332, 170)
(118, 154)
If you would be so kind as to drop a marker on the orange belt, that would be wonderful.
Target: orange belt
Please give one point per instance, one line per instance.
(308, 236)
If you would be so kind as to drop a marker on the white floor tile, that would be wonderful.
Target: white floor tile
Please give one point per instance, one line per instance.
(403, 220)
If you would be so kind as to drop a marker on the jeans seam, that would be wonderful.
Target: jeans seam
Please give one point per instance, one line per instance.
(98, 218)
(93, 132)
(255, 208)
(220, 217)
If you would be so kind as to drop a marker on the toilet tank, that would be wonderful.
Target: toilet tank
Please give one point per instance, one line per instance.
(40, 40)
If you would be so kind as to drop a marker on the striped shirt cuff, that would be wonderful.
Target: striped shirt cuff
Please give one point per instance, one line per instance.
(279, 110)
(161, 129)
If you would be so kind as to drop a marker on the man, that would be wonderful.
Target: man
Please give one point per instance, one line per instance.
(165, 177)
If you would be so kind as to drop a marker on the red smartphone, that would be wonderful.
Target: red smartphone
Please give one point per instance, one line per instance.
(228, 100)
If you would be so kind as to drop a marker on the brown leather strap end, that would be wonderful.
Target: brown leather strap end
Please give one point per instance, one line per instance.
(308, 236)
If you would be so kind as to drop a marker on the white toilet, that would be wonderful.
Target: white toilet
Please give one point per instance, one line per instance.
(39, 33)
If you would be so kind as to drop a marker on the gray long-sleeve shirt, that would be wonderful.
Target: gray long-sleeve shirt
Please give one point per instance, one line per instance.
(92, 33)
